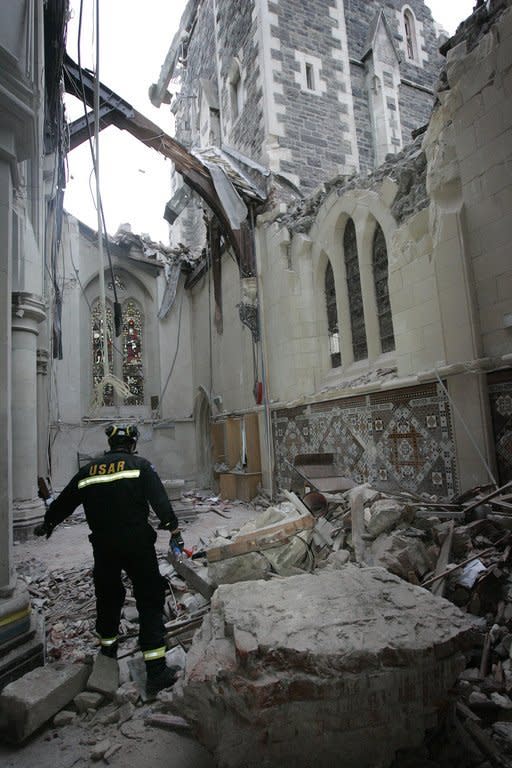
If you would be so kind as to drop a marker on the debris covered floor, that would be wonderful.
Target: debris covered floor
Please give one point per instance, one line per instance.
(319, 642)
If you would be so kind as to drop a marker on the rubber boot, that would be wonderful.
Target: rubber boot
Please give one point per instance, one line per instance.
(109, 650)
(159, 676)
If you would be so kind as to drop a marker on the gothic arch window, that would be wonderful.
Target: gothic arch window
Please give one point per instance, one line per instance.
(97, 332)
(355, 298)
(380, 279)
(236, 93)
(133, 368)
(332, 317)
(125, 353)
(411, 45)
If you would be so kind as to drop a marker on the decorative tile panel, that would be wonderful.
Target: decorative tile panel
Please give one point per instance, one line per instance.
(398, 440)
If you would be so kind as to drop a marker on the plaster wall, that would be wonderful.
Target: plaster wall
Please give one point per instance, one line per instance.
(167, 437)
(222, 363)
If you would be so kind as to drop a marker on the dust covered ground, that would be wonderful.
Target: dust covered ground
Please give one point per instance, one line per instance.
(59, 574)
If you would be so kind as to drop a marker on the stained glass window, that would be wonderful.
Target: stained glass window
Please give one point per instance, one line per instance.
(133, 371)
(380, 278)
(97, 349)
(355, 298)
(332, 317)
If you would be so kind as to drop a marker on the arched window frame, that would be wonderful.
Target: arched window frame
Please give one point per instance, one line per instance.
(380, 283)
(333, 330)
(410, 35)
(236, 90)
(120, 351)
(354, 292)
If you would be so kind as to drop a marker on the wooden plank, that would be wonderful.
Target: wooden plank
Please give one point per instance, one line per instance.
(191, 576)
(233, 441)
(486, 744)
(442, 562)
(265, 538)
(489, 496)
(217, 441)
(169, 722)
(227, 486)
(252, 441)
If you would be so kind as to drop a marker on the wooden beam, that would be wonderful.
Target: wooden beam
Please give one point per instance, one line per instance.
(264, 538)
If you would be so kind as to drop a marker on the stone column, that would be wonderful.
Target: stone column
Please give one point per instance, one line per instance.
(28, 311)
(21, 631)
(6, 569)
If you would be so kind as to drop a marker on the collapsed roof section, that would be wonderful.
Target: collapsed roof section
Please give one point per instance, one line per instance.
(217, 179)
(158, 92)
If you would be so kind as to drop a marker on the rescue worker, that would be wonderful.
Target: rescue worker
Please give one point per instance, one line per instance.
(115, 490)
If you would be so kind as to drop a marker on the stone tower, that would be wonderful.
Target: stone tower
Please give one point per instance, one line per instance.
(309, 90)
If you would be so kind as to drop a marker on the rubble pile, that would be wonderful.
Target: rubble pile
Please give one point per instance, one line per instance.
(460, 551)
(251, 611)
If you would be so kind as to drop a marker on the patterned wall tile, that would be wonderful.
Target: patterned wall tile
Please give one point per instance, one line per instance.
(395, 440)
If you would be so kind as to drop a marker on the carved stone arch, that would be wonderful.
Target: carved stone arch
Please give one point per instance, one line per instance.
(134, 286)
(365, 209)
(323, 262)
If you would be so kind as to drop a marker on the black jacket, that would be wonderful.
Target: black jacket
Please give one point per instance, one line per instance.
(115, 490)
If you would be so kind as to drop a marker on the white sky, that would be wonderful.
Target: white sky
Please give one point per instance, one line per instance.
(134, 40)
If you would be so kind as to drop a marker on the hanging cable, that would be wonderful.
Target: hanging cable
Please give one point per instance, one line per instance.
(467, 430)
(175, 352)
(108, 379)
(98, 201)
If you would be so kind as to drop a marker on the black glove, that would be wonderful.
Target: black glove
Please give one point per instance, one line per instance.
(43, 529)
(176, 541)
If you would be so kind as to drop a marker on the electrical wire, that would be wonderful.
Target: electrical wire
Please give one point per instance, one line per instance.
(175, 352)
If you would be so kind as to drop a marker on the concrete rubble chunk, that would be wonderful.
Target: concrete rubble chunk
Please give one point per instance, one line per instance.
(128, 691)
(104, 676)
(88, 700)
(100, 749)
(32, 700)
(303, 670)
(65, 717)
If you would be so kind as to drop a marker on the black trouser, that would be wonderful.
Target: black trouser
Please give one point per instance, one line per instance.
(135, 554)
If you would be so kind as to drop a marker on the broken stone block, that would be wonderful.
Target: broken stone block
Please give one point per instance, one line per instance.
(100, 749)
(33, 699)
(87, 700)
(384, 516)
(246, 567)
(128, 691)
(65, 717)
(131, 613)
(300, 671)
(401, 554)
(104, 676)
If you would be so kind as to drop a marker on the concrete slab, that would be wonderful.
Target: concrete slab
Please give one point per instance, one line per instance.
(347, 664)
(104, 676)
(35, 698)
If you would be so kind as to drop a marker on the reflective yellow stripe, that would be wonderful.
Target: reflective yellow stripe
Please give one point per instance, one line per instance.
(157, 653)
(108, 640)
(125, 475)
(15, 616)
